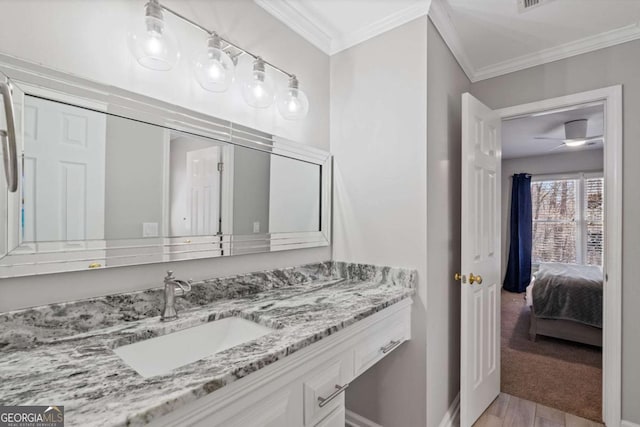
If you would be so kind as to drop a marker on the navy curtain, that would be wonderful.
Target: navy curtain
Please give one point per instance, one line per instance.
(519, 267)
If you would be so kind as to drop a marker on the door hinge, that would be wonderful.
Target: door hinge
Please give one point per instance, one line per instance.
(220, 166)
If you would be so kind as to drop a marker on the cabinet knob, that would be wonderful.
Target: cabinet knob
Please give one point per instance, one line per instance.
(322, 401)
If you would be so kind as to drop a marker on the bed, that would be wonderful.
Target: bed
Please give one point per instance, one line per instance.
(566, 303)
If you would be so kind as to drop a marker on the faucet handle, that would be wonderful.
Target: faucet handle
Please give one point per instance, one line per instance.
(169, 275)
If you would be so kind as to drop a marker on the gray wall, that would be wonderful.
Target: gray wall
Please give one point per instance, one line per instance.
(134, 173)
(615, 65)
(103, 25)
(251, 176)
(577, 161)
(446, 84)
(378, 138)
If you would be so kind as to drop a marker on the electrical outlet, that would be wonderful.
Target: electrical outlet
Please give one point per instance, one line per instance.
(256, 227)
(149, 229)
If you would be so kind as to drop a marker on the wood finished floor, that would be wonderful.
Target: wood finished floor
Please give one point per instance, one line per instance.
(511, 411)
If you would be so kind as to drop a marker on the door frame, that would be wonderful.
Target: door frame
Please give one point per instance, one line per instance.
(611, 97)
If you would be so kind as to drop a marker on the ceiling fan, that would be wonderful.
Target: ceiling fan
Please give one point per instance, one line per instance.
(575, 135)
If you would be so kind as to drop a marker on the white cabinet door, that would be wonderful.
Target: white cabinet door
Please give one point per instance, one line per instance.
(275, 411)
(480, 323)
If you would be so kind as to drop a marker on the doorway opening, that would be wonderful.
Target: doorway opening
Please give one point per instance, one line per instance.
(587, 241)
(552, 255)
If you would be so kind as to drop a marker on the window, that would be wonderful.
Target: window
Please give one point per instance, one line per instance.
(568, 219)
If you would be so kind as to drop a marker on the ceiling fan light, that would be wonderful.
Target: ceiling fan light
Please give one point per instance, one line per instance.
(575, 142)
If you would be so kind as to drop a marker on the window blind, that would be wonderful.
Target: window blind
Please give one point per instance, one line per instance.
(594, 199)
(568, 220)
(554, 221)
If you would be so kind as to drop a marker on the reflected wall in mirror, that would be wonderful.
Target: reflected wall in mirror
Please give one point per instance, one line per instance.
(103, 183)
(89, 175)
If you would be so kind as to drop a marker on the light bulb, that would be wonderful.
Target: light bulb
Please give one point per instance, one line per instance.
(258, 89)
(293, 103)
(152, 44)
(214, 69)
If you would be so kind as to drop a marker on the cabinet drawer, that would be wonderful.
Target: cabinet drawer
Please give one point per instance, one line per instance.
(324, 390)
(334, 419)
(381, 342)
(276, 411)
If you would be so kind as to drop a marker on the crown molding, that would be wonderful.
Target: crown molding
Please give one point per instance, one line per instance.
(441, 18)
(563, 51)
(293, 16)
(303, 21)
(389, 22)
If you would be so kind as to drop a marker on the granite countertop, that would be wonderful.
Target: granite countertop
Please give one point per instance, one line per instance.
(62, 354)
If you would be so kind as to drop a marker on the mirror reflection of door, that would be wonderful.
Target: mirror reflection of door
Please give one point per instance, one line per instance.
(195, 186)
(203, 186)
(64, 172)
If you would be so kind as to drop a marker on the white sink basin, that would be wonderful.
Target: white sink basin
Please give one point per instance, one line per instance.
(161, 355)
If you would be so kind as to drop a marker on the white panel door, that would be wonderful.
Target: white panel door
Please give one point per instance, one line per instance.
(204, 191)
(64, 172)
(480, 252)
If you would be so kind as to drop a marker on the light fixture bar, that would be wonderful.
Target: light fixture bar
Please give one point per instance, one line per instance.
(209, 32)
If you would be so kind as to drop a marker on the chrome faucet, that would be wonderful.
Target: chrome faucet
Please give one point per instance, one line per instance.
(173, 288)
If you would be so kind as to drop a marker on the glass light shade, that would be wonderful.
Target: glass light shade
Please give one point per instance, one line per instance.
(214, 70)
(257, 90)
(153, 45)
(292, 103)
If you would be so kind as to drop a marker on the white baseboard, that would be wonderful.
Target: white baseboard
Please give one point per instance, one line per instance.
(354, 420)
(628, 424)
(452, 413)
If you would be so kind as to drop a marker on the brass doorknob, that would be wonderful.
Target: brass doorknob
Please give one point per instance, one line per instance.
(459, 278)
(473, 279)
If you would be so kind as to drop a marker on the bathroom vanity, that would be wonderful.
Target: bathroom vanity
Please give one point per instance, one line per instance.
(325, 325)
(98, 177)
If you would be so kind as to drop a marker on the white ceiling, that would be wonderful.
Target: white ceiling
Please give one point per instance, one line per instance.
(488, 37)
(518, 135)
(335, 25)
(492, 37)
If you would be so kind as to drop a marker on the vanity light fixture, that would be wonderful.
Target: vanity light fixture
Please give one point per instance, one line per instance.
(153, 44)
(257, 90)
(154, 47)
(292, 102)
(214, 69)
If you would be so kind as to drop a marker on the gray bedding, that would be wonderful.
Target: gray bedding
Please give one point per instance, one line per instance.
(569, 292)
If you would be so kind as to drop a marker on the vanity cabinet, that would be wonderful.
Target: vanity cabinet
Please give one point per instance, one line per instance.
(334, 419)
(306, 388)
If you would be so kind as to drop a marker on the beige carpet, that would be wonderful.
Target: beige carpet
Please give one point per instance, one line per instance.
(556, 373)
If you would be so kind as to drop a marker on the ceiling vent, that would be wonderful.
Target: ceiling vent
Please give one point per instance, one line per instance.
(525, 5)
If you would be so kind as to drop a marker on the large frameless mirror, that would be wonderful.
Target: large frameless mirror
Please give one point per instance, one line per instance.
(109, 178)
